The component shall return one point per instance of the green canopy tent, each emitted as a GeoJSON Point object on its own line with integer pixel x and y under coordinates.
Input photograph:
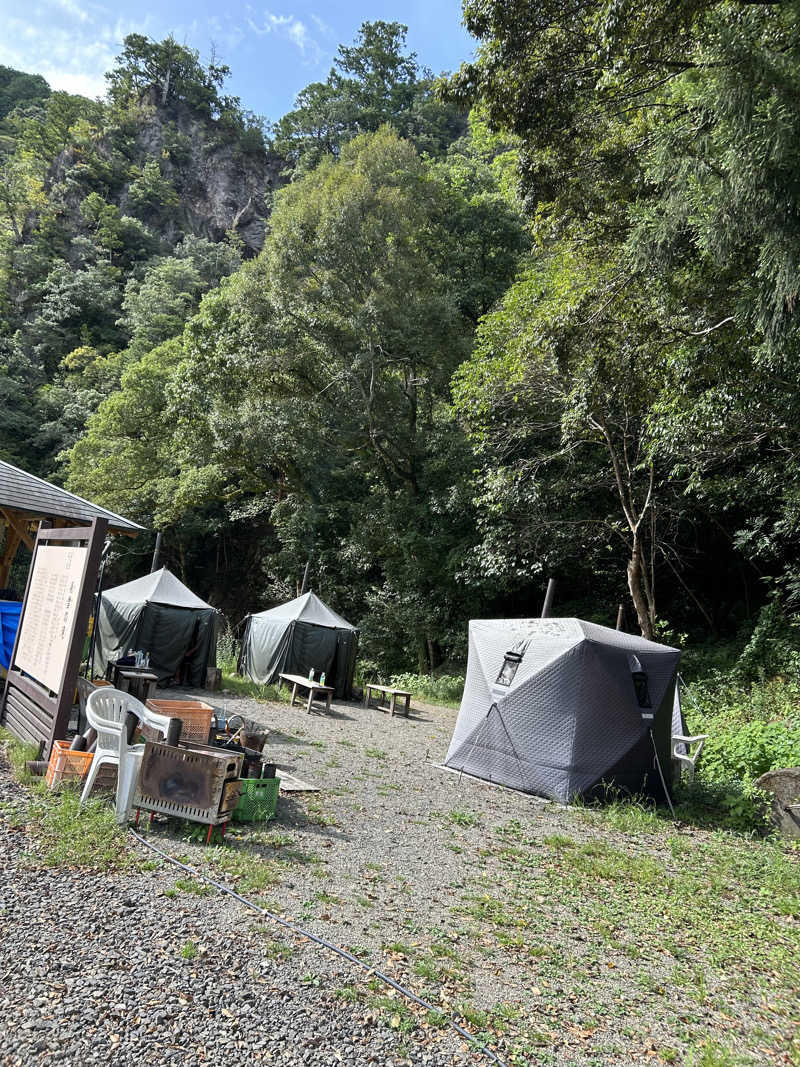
{"type": "Point", "coordinates": [296, 637]}
{"type": "Point", "coordinates": [159, 615]}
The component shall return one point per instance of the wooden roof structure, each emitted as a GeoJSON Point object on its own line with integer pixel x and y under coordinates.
{"type": "Point", "coordinates": [26, 500]}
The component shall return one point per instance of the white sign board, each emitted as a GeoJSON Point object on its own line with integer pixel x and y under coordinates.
{"type": "Point", "coordinates": [50, 609]}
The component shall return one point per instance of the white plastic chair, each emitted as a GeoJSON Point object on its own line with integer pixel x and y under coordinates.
{"type": "Point", "coordinates": [683, 752]}
{"type": "Point", "coordinates": [107, 710]}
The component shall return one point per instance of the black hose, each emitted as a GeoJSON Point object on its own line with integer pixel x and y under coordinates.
{"type": "Point", "coordinates": [319, 941]}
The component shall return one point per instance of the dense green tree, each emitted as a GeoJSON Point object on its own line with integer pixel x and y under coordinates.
{"type": "Point", "coordinates": [165, 71]}
{"type": "Point", "coordinates": [18, 89]}
{"type": "Point", "coordinates": [314, 388]}
{"type": "Point", "coordinates": [661, 141]}
{"type": "Point", "coordinates": [372, 83]}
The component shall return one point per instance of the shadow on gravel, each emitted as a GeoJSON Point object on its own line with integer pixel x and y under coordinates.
{"type": "Point", "coordinates": [291, 812]}
{"type": "Point", "coordinates": [413, 716]}
{"type": "Point", "coordinates": [278, 737]}
{"type": "Point", "coordinates": [334, 713]}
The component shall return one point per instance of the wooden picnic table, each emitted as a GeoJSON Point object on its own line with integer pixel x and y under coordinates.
{"type": "Point", "coordinates": [390, 692]}
{"type": "Point", "coordinates": [298, 681]}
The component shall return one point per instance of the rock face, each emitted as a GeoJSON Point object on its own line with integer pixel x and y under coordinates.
{"type": "Point", "coordinates": [784, 787]}
{"type": "Point", "coordinates": [223, 178]}
{"type": "Point", "coordinates": [222, 185]}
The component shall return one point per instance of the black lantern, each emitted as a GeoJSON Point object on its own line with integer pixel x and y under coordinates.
{"type": "Point", "coordinates": [511, 663]}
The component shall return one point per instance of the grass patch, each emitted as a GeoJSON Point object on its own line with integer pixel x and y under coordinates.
{"type": "Point", "coordinates": [190, 950]}
{"type": "Point", "coordinates": [316, 813]}
{"type": "Point", "coordinates": [66, 835]}
{"type": "Point", "coordinates": [273, 948]}
{"type": "Point", "coordinates": [264, 694]}
{"type": "Point", "coordinates": [463, 818]}
{"type": "Point", "coordinates": [669, 914]}
{"type": "Point", "coordinates": [247, 870]}
{"type": "Point", "coordinates": [197, 889]}
{"type": "Point", "coordinates": [18, 753]}
{"type": "Point", "coordinates": [376, 753]}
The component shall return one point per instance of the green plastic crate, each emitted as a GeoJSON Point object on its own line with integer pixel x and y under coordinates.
{"type": "Point", "coordinates": [258, 800]}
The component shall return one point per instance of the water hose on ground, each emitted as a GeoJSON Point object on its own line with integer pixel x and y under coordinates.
{"type": "Point", "coordinates": [407, 993]}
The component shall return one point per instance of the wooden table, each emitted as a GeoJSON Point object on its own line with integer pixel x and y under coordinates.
{"type": "Point", "coordinates": [298, 682]}
{"type": "Point", "coordinates": [138, 681]}
{"type": "Point", "coordinates": [393, 694]}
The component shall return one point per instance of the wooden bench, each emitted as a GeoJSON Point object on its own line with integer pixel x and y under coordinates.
{"type": "Point", "coordinates": [296, 681]}
{"type": "Point", "coordinates": [389, 692]}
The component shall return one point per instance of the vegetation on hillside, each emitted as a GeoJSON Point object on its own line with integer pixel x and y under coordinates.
{"type": "Point", "coordinates": [538, 321]}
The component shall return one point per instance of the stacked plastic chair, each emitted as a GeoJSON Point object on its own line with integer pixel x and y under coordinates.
{"type": "Point", "coordinates": [107, 711]}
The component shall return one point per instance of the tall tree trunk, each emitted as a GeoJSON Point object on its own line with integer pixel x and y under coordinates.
{"type": "Point", "coordinates": [641, 570]}
{"type": "Point", "coordinates": [637, 585]}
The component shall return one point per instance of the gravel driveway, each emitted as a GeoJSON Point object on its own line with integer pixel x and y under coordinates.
{"type": "Point", "coordinates": [474, 896]}
{"type": "Point", "coordinates": [93, 967]}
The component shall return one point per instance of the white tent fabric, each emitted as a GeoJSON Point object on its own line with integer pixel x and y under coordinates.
{"type": "Point", "coordinates": [160, 587]}
{"type": "Point", "coordinates": [557, 706]}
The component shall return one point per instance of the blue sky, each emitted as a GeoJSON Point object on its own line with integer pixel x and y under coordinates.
{"type": "Point", "coordinates": [272, 51]}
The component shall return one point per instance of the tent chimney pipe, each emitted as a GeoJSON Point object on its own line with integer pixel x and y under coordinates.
{"type": "Point", "coordinates": [620, 616]}
{"type": "Point", "coordinates": [305, 578]}
{"type": "Point", "coordinates": [548, 598]}
{"type": "Point", "coordinates": [156, 553]}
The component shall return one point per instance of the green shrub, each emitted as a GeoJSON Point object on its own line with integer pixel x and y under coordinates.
{"type": "Point", "coordinates": [773, 648]}
{"type": "Point", "coordinates": [435, 689]}
{"type": "Point", "coordinates": [227, 650]}
{"type": "Point", "coordinates": [746, 751]}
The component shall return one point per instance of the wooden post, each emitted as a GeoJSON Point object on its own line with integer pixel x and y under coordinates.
{"type": "Point", "coordinates": [547, 607]}
{"type": "Point", "coordinates": [620, 616]}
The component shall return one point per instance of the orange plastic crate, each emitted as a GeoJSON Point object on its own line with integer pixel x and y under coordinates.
{"type": "Point", "coordinates": [194, 714]}
{"type": "Point", "coordinates": [65, 765]}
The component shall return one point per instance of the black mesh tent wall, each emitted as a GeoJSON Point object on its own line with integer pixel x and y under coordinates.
{"type": "Point", "coordinates": [159, 615]}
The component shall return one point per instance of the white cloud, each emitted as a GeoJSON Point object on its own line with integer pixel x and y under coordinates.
{"type": "Point", "coordinates": [78, 84]}
{"type": "Point", "coordinates": [323, 27]}
{"type": "Point", "coordinates": [288, 26]}
{"type": "Point", "coordinates": [227, 33]}
{"type": "Point", "coordinates": [70, 44]}
{"type": "Point", "coordinates": [71, 8]}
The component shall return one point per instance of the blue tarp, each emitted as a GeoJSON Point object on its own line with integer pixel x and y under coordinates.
{"type": "Point", "coordinates": [10, 611]}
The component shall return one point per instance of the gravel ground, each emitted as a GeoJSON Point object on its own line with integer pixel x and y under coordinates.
{"type": "Point", "coordinates": [91, 965]}
{"type": "Point", "coordinates": [385, 859]}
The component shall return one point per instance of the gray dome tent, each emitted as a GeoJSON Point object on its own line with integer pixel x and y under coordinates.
{"type": "Point", "coordinates": [159, 615]}
{"type": "Point", "coordinates": [296, 636]}
{"type": "Point", "coordinates": [557, 707]}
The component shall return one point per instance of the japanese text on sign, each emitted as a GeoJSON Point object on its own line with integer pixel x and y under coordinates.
{"type": "Point", "coordinates": [50, 609]}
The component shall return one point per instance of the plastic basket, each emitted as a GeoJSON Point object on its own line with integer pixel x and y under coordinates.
{"type": "Point", "coordinates": [194, 714]}
{"type": "Point", "coordinates": [258, 800]}
{"type": "Point", "coordinates": [66, 765]}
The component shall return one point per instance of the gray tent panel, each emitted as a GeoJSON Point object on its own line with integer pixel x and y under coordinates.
{"type": "Point", "coordinates": [296, 637]}
{"type": "Point", "coordinates": [159, 615]}
{"type": "Point", "coordinates": [572, 716]}
{"type": "Point", "coordinates": [159, 587]}
{"type": "Point", "coordinates": [265, 646]}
